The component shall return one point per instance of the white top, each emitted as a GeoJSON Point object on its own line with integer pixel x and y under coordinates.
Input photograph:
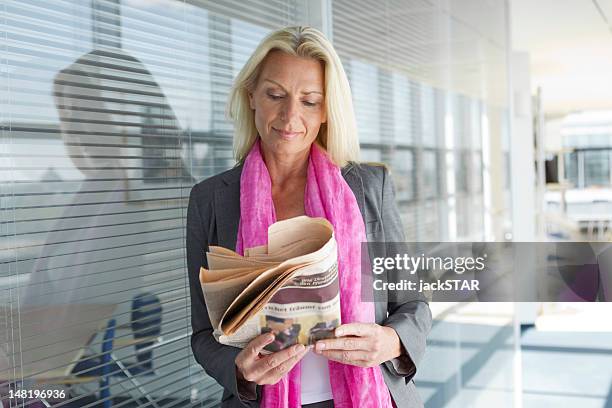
{"type": "Point", "coordinates": [315, 379]}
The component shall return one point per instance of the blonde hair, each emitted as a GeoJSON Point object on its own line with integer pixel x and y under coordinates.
{"type": "Point", "coordinates": [338, 136]}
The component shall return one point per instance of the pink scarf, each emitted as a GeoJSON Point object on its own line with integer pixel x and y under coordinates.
{"type": "Point", "coordinates": [327, 195]}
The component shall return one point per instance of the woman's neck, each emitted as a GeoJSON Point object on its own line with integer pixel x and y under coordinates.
{"type": "Point", "coordinates": [286, 169]}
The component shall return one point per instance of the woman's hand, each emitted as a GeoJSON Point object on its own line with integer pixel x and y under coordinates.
{"type": "Point", "coordinates": [266, 369]}
{"type": "Point", "coordinates": [361, 344]}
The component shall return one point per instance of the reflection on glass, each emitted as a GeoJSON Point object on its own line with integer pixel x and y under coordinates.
{"type": "Point", "coordinates": [371, 155]}
{"type": "Point", "coordinates": [475, 178]}
{"type": "Point", "coordinates": [113, 121]}
{"type": "Point", "coordinates": [430, 174]}
{"type": "Point", "coordinates": [403, 174]}
{"type": "Point", "coordinates": [402, 110]}
{"type": "Point", "coordinates": [596, 167]}
{"type": "Point", "coordinates": [364, 86]}
{"type": "Point", "coordinates": [462, 169]}
{"type": "Point", "coordinates": [107, 232]}
{"type": "Point", "coordinates": [429, 116]}
{"type": "Point", "coordinates": [571, 167]}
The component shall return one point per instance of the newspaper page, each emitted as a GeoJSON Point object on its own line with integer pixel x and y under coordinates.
{"type": "Point", "coordinates": [305, 309]}
{"type": "Point", "coordinates": [288, 287]}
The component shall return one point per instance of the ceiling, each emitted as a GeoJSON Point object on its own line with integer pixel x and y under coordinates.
{"type": "Point", "coordinates": [570, 46]}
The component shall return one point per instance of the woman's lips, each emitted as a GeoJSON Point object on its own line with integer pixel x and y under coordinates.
{"type": "Point", "coordinates": [286, 134]}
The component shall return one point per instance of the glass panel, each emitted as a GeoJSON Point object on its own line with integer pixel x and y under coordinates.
{"type": "Point", "coordinates": [114, 110]}
{"type": "Point", "coordinates": [402, 110]}
{"type": "Point", "coordinates": [403, 175]}
{"type": "Point", "coordinates": [431, 174]}
{"type": "Point", "coordinates": [596, 167]}
{"type": "Point", "coordinates": [111, 110]}
{"type": "Point", "coordinates": [571, 167]}
{"type": "Point", "coordinates": [446, 75]}
{"type": "Point", "coordinates": [364, 86]}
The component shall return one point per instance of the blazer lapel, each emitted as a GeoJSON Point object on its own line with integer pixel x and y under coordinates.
{"type": "Point", "coordinates": [353, 179]}
{"type": "Point", "coordinates": [227, 203]}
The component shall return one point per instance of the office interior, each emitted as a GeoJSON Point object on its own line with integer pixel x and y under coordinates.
{"type": "Point", "coordinates": [493, 115]}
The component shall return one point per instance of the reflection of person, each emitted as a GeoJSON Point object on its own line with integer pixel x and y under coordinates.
{"type": "Point", "coordinates": [296, 143]}
{"type": "Point", "coordinates": [84, 113]}
{"type": "Point", "coordinates": [89, 256]}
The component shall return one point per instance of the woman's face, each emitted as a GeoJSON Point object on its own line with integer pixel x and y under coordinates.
{"type": "Point", "coordinates": [288, 102]}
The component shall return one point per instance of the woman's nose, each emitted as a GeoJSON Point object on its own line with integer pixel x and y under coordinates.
{"type": "Point", "coordinates": [290, 110]}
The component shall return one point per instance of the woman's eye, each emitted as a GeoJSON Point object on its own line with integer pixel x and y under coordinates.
{"type": "Point", "coordinates": [309, 104]}
{"type": "Point", "coordinates": [275, 97]}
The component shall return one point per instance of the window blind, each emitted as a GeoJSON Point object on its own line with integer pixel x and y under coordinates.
{"type": "Point", "coordinates": [420, 71]}
{"type": "Point", "coordinates": [111, 111]}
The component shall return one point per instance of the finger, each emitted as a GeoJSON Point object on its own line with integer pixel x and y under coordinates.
{"type": "Point", "coordinates": [250, 353]}
{"type": "Point", "coordinates": [343, 343]}
{"type": "Point", "coordinates": [271, 362]}
{"type": "Point", "coordinates": [258, 343]}
{"type": "Point", "coordinates": [352, 357]}
{"type": "Point", "coordinates": [275, 374]}
{"type": "Point", "coordinates": [355, 329]}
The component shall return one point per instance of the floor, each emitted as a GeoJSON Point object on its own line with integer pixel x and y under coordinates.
{"type": "Point", "coordinates": [470, 362]}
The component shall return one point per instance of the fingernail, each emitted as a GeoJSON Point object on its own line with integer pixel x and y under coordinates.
{"type": "Point", "coordinates": [298, 348]}
{"type": "Point", "coordinates": [320, 347]}
{"type": "Point", "coordinates": [338, 333]}
{"type": "Point", "coordinates": [270, 338]}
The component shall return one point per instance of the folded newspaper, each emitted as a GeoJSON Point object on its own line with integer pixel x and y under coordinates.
{"type": "Point", "coordinates": [288, 287]}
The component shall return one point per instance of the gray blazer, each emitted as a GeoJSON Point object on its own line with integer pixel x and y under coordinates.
{"type": "Point", "coordinates": [212, 219]}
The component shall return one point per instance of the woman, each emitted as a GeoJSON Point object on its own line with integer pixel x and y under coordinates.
{"type": "Point", "coordinates": [296, 145]}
